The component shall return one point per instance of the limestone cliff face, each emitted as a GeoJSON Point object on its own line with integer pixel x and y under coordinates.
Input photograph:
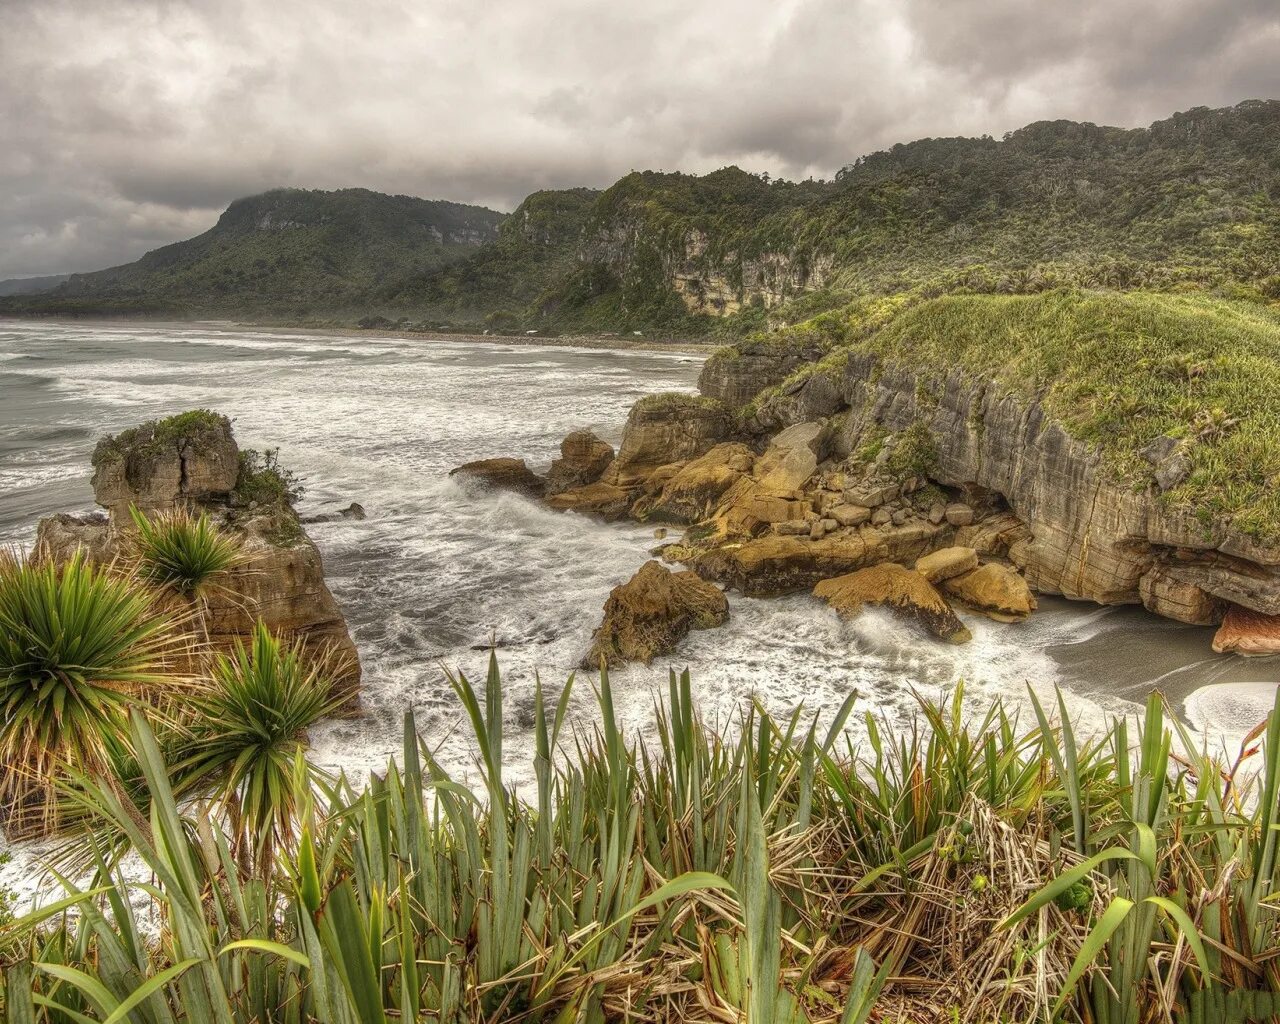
{"type": "Point", "coordinates": [737, 374]}
{"type": "Point", "coordinates": [281, 580]}
{"type": "Point", "coordinates": [711, 282]}
{"type": "Point", "coordinates": [1093, 537]}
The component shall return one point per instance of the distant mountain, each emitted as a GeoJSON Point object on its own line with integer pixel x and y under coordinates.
{"type": "Point", "coordinates": [31, 285]}
{"type": "Point", "coordinates": [288, 251]}
{"type": "Point", "coordinates": [1191, 203]}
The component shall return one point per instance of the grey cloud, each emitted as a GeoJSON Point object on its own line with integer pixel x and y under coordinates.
{"type": "Point", "coordinates": [130, 124]}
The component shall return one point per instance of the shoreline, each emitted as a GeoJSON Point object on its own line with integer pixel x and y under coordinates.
{"type": "Point", "coordinates": [616, 343]}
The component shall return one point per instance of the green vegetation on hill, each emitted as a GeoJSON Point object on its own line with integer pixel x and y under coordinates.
{"type": "Point", "coordinates": [1191, 202]}
{"type": "Point", "coordinates": [286, 252]}
{"type": "Point", "coordinates": [1119, 370]}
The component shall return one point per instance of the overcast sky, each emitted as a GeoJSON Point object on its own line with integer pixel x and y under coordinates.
{"type": "Point", "coordinates": [127, 124]}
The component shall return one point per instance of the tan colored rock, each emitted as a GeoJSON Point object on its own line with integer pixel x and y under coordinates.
{"type": "Point", "coordinates": [791, 458]}
{"type": "Point", "coordinates": [583, 460]}
{"type": "Point", "coordinates": [662, 429]}
{"type": "Point", "coordinates": [1245, 631]}
{"type": "Point", "coordinates": [904, 592]}
{"type": "Point", "coordinates": [608, 502]}
{"type": "Point", "coordinates": [692, 493]}
{"type": "Point", "coordinates": [773, 564]}
{"type": "Point", "coordinates": [850, 515]}
{"type": "Point", "coordinates": [651, 613]}
{"type": "Point", "coordinates": [995, 535]}
{"type": "Point", "coordinates": [995, 590]}
{"type": "Point", "coordinates": [503, 474]}
{"type": "Point", "coordinates": [746, 510]}
{"type": "Point", "coordinates": [183, 460]}
{"type": "Point", "coordinates": [947, 562]}
{"type": "Point", "coordinates": [958, 514]}
{"type": "Point", "coordinates": [1165, 594]}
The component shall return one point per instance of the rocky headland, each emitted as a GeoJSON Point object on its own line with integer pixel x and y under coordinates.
{"type": "Point", "coordinates": [869, 475]}
{"type": "Point", "coordinates": [192, 462]}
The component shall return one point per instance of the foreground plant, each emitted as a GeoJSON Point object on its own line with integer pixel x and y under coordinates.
{"type": "Point", "coordinates": [247, 734]}
{"type": "Point", "coordinates": [181, 552]}
{"type": "Point", "coordinates": [773, 872]}
{"type": "Point", "coordinates": [78, 644]}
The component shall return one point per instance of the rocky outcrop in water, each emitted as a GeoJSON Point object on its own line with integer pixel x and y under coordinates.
{"type": "Point", "coordinates": [903, 591]}
{"type": "Point", "coordinates": [650, 613]}
{"type": "Point", "coordinates": [184, 463]}
{"type": "Point", "coordinates": [503, 474]}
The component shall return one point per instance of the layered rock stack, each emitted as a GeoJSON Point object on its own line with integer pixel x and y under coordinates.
{"type": "Point", "coordinates": [193, 462]}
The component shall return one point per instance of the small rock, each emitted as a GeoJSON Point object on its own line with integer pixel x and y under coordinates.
{"type": "Point", "coordinates": [816, 530]}
{"type": "Point", "coordinates": [649, 614]}
{"type": "Point", "coordinates": [850, 515]}
{"type": "Point", "coordinates": [660, 533]}
{"type": "Point", "coordinates": [1244, 631]}
{"type": "Point", "coordinates": [899, 517]}
{"type": "Point", "coordinates": [958, 514]}
{"type": "Point", "coordinates": [1173, 471]}
{"type": "Point", "coordinates": [908, 594]}
{"type": "Point", "coordinates": [937, 513]}
{"type": "Point", "coordinates": [881, 517]}
{"type": "Point", "coordinates": [828, 525]}
{"type": "Point", "coordinates": [871, 496]}
{"type": "Point", "coordinates": [791, 528]}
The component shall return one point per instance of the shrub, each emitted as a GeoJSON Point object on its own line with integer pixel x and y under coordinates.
{"type": "Point", "coordinates": [263, 481]}
{"type": "Point", "coordinates": [77, 644]}
{"type": "Point", "coordinates": [181, 552]}
{"type": "Point", "coordinates": [915, 453]}
{"type": "Point", "coordinates": [249, 731]}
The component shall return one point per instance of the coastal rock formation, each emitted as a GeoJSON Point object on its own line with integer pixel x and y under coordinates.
{"type": "Point", "coordinates": [191, 458]}
{"type": "Point", "coordinates": [995, 590]}
{"type": "Point", "coordinates": [772, 565]}
{"type": "Point", "coordinates": [903, 591]}
{"type": "Point", "coordinates": [662, 429]}
{"type": "Point", "coordinates": [281, 579]}
{"type": "Point", "coordinates": [736, 375]}
{"type": "Point", "coordinates": [600, 499]}
{"type": "Point", "coordinates": [503, 474]}
{"type": "Point", "coordinates": [693, 491]}
{"type": "Point", "coordinates": [583, 460]}
{"type": "Point", "coordinates": [1244, 631]}
{"type": "Point", "coordinates": [1072, 526]}
{"type": "Point", "coordinates": [650, 613]}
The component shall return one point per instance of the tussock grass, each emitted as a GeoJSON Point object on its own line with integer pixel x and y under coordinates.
{"type": "Point", "coordinates": [971, 869]}
{"type": "Point", "coordinates": [182, 552]}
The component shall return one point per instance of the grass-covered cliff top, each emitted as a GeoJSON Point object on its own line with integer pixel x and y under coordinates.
{"type": "Point", "coordinates": [1122, 369]}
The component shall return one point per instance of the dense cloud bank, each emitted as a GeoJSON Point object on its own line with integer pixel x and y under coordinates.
{"type": "Point", "coordinates": [131, 124]}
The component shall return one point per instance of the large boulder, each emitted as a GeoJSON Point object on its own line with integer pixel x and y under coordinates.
{"type": "Point", "coordinates": [503, 474]}
{"type": "Point", "coordinates": [945, 563]}
{"type": "Point", "coordinates": [662, 429]}
{"type": "Point", "coordinates": [191, 458]}
{"type": "Point", "coordinates": [995, 590]}
{"type": "Point", "coordinates": [791, 458]}
{"type": "Point", "coordinates": [903, 591]}
{"type": "Point", "coordinates": [1248, 632]}
{"type": "Point", "coordinates": [605, 501]}
{"type": "Point", "coordinates": [650, 613]}
{"type": "Point", "coordinates": [583, 460]}
{"type": "Point", "coordinates": [1166, 593]}
{"type": "Point", "coordinates": [784, 564]}
{"type": "Point", "coordinates": [692, 492]}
